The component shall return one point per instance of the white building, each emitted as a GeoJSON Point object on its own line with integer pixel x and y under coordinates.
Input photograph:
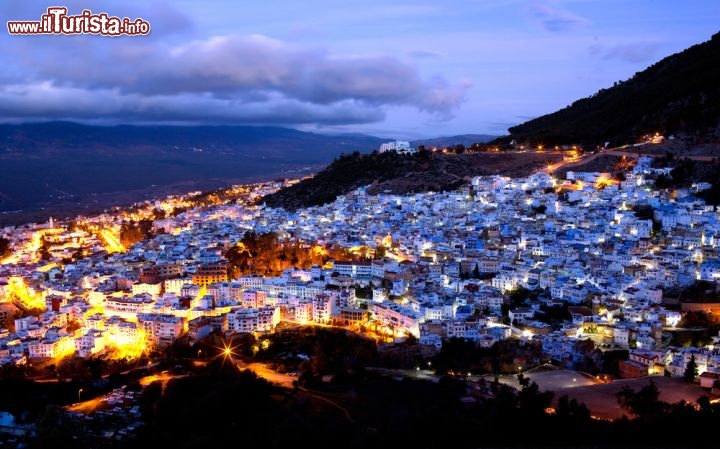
{"type": "Point", "coordinates": [51, 348]}
{"type": "Point", "coordinates": [162, 329]}
{"type": "Point", "coordinates": [396, 317]}
{"type": "Point", "coordinates": [260, 319]}
{"type": "Point", "coordinates": [398, 146]}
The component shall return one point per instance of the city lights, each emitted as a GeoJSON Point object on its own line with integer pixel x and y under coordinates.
{"type": "Point", "coordinates": [24, 296]}
{"type": "Point", "coordinates": [112, 241]}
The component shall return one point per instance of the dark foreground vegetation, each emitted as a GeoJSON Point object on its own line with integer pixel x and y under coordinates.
{"type": "Point", "coordinates": [339, 401]}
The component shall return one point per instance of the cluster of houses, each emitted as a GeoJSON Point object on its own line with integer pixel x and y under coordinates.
{"type": "Point", "coordinates": [440, 265]}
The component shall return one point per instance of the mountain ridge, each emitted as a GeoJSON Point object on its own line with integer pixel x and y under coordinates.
{"type": "Point", "coordinates": [679, 94]}
{"type": "Point", "coordinates": [71, 136]}
{"type": "Point", "coordinates": [448, 141]}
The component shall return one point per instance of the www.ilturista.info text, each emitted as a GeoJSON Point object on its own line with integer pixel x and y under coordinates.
{"type": "Point", "coordinates": [57, 21]}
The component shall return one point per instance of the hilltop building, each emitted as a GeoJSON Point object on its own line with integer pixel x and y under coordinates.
{"type": "Point", "coordinates": [398, 146]}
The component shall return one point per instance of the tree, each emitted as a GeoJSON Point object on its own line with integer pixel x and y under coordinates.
{"type": "Point", "coordinates": [691, 370]}
{"type": "Point", "coordinates": [44, 249]}
{"type": "Point", "coordinates": [519, 295]}
{"type": "Point", "coordinates": [159, 213]}
{"type": "Point", "coordinates": [522, 380]}
{"type": "Point", "coordinates": [571, 409]}
{"type": "Point", "coordinates": [644, 211]}
{"type": "Point", "coordinates": [130, 233]}
{"type": "Point", "coordinates": [663, 182]}
{"type": "Point", "coordinates": [644, 404]}
{"type": "Point", "coordinates": [145, 225]}
{"type": "Point", "coordinates": [531, 400]}
{"type": "Point", "coordinates": [585, 346]}
{"type": "Point", "coordinates": [476, 272]}
{"type": "Point", "coordinates": [78, 254]}
{"type": "Point", "coordinates": [4, 247]}
{"type": "Point", "coordinates": [380, 252]}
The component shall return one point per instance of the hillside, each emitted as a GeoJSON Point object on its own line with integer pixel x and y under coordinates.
{"type": "Point", "coordinates": [678, 95]}
{"type": "Point", "coordinates": [399, 174]}
{"type": "Point", "coordinates": [68, 138]}
{"type": "Point", "coordinates": [61, 169]}
{"type": "Point", "coordinates": [450, 141]}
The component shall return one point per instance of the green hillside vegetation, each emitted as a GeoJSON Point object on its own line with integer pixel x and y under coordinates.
{"type": "Point", "coordinates": [678, 95]}
{"type": "Point", "coordinates": [390, 172]}
{"type": "Point", "coordinates": [348, 172]}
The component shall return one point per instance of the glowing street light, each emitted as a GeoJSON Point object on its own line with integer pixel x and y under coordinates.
{"type": "Point", "coordinates": [79, 391]}
{"type": "Point", "coordinates": [227, 351]}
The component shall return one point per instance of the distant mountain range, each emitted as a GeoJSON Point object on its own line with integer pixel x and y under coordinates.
{"type": "Point", "coordinates": [60, 169]}
{"type": "Point", "coordinates": [678, 95]}
{"type": "Point", "coordinates": [67, 138]}
{"type": "Point", "coordinates": [449, 141]}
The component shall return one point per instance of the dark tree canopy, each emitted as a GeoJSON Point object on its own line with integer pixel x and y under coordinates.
{"type": "Point", "coordinates": [691, 369]}
{"type": "Point", "coordinates": [5, 247]}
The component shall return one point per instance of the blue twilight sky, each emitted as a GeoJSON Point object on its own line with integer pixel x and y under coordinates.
{"type": "Point", "coordinates": [405, 69]}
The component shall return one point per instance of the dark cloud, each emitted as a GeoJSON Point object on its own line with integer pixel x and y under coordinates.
{"type": "Point", "coordinates": [245, 65]}
{"type": "Point", "coordinates": [240, 78]}
{"type": "Point", "coordinates": [636, 52]}
{"type": "Point", "coordinates": [45, 101]}
{"type": "Point", "coordinates": [555, 19]}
